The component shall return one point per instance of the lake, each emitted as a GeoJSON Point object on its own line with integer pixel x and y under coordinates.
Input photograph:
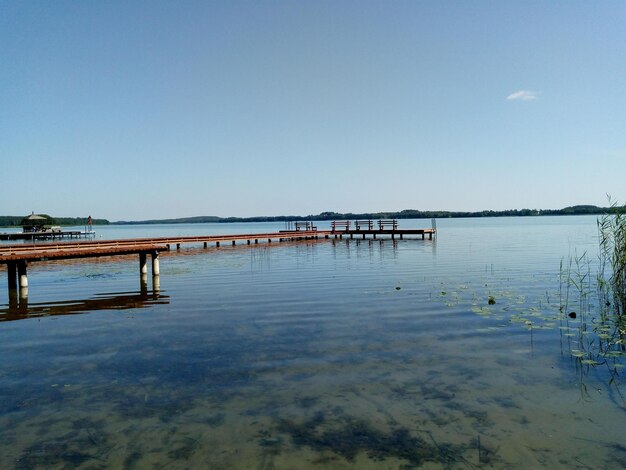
{"type": "Point", "coordinates": [451, 353]}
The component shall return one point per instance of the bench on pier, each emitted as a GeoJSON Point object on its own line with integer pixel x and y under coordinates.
{"type": "Point", "coordinates": [365, 224]}
{"type": "Point", "coordinates": [308, 226]}
{"type": "Point", "coordinates": [392, 223]}
{"type": "Point", "coordinates": [340, 224]}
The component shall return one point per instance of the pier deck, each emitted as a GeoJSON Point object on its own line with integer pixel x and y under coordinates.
{"type": "Point", "coordinates": [37, 236]}
{"type": "Point", "coordinates": [390, 232]}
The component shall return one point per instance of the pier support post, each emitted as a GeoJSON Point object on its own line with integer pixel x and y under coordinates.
{"type": "Point", "coordinates": [205, 244]}
{"type": "Point", "coordinates": [143, 283]}
{"type": "Point", "coordinates": [21, 274]}
{"type": "Point", "coordinates": [12, 272]}
{"type": "Point", "coordinates": [178, 246]}
{"type": "Point", "coordinates": [248, 242]}
{"type": "Point", "coordinates": [233, 242]}
{"type": "Point", "coordinates": [23, 301]}
{"type": "Point", "coordinates": [256, 241]}
{"type": "Point", "coordinates": [217, 244]}
{"type": "Point", "coordinates": [143, 267]}
{"type": "Point", "coordinates": [269, 240]}
{"type": "Point", "coordinates": [155, 263]}
{"type": "Point", "coordinates": [401, 237]}
{"type": "Point", "coordinates": [13, 303]}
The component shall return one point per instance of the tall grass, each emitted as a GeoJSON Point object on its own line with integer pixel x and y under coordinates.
{"type": "Point", "coordinates": [612, 270]}
{"type": "Point", "coordinates": [595, 306]}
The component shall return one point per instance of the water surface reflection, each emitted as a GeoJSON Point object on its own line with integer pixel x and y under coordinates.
{"type": "Point", "coordinates": [20, 309]}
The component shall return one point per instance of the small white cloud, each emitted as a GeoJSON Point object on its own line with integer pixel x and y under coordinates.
{"type": "Point", "coordinates": [524, 95]}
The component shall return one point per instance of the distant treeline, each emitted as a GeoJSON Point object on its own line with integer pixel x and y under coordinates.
{"type": "Point", "coordinates": [184, 220]}
{"type": "Point", "coordinates": [405, 214]}
{"type": "Point", "coordinates": [15, 221]}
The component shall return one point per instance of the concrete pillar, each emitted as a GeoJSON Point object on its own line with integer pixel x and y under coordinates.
{"type": "Point", "coordinates": [422, 235]}
{"type": "Point", "coordinates": [401, 237]}
{"type": "Point", "coordinates": [12, 273]}
{"type": "Point", "coordinates": [156, 283]}
{"type": "Point", "coordinates": [178, 246]}
{"type": "Point", "coordinates": [143, 267]}
{"type": "Point", "coordinates": [143, 283]}
{"type": "Point", "coordinates": [256, 241]}
{"type": "Point", "coordinates": [363, 236]}
{"type": "Point", "coordinates": [374, 236]}
{"type": "Point", "coordinates": [155, 263]}
{"type": "Point", "coordinates": [269, 240]}
{"type": "Point", "coordinates": [205, 244]}
{"type": "Point", "coordinates": [233, 242]}
{"type": "Point", "coordinates": [21, 274]}
{"type": "Point", "coordinates": [248, 242]}
{"type": "Point", "coordinates": [217, 244]}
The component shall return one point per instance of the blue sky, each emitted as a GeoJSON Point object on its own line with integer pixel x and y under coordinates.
{"type": "Point", "coordinates": [146, 109]}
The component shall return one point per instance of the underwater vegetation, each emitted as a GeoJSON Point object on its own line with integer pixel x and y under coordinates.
{"type": "Point", "coordinates": [347, 436]}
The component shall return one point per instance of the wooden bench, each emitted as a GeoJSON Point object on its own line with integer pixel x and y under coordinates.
{"type": "Point", "coordinates": [308, 226]}
{"type": "Point", "coordinates": [338, 224]}
{"type": "Point", "coordinates": [393, 223]}
{"type": "Point", "coordinates": [366, 224]}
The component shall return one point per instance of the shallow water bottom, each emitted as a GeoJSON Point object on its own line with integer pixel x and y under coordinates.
{"type": "Point", "coordinates": [255, 363]}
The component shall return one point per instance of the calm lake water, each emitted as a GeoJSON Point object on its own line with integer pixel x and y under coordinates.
{"type": "Point", "coordinates": [317, 354]}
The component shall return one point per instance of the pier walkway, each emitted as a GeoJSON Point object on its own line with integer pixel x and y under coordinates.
{"type": "Point", "coordinates": [17, 257]}
{"type": "Point", "coordinates": [47, 235]}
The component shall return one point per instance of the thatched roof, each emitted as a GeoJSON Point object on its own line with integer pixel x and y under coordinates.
{"type": "Point", "coordinates": [37, 220]}
{"type": "Point", "coordinates": [35, 217]}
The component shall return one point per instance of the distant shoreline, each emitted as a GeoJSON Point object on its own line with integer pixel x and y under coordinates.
{"type": "Point", "coordinates": [405, 214]}
{"type": "Point", "coordinates": [13, 221]}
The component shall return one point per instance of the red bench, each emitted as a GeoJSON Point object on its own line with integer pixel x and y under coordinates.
{"type": "Point", "coordinates": [340, 224]}
{"type": "Point", "coordinates": [393, 223]}
{"type": "Point", "coordinates": [365, 224]}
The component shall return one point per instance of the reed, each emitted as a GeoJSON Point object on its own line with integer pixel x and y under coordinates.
{"type": "Point", "coordinates": [600, 319]}
{"type": "Point", "coordinates": [612, 269]}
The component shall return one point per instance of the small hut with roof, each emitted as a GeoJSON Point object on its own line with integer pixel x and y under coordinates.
{"type": "Point", "coordinates": [38, 223]}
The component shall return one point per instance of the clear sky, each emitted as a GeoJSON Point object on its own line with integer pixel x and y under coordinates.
{"type": "Point", "coordinates": [132, 110]}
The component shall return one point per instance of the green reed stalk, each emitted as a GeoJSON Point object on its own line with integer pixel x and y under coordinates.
{"type": "Point", "coordinates": [612, 239]}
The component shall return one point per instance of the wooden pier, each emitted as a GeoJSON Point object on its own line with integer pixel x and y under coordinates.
{"type": "Point", "coordinates": [17, 257]}
{"type": "Point", "coordinates": [364, 228]}
{"type": "Point", "coordinates": [49, 235]}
